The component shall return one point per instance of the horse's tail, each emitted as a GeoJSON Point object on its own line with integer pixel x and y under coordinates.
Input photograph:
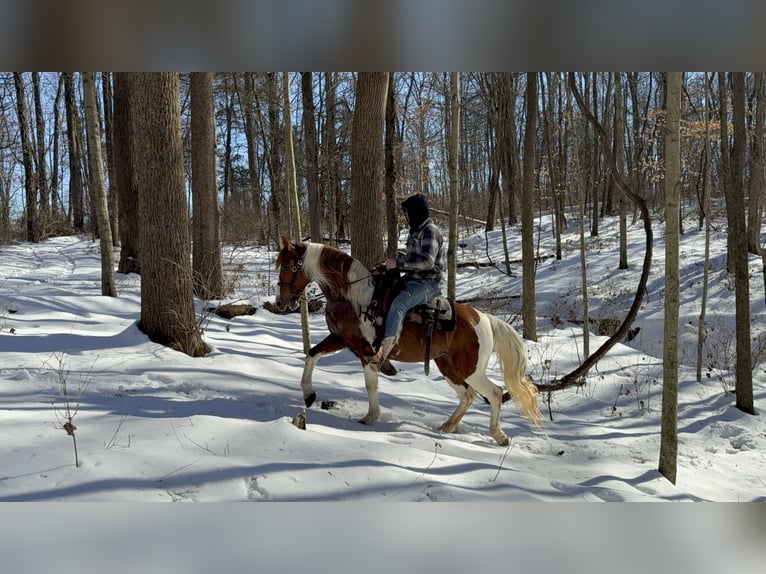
{"type": "Point", "coordinates": [513, 357]}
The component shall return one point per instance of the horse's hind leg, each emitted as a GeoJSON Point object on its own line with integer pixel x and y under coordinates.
{"type": "Point", "coordinates": [465, 394]}
{"type": "Point", "coordinates": [494, 396]}
{"type": "Point", "coordinates": [330, 344]}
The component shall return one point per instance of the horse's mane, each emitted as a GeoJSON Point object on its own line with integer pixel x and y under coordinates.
{"type": "Point", "coordinates": [339, 275]}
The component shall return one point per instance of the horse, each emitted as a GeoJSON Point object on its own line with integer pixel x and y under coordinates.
{"type": "Point", "coordinates": [462, 355]}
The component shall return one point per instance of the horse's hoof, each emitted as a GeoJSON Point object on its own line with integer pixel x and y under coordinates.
{"type": "Point", "coordinates": [503, 440]}
{"type": "Point", "coordinates": [364, 422]}
{"type": "Point", "coordinates": [309, 399]}
{"type": "Point", "coordinates": [387, 368]}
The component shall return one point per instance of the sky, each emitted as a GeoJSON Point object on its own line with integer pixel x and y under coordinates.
{"type": "Point", "coordinates": [154, 425]}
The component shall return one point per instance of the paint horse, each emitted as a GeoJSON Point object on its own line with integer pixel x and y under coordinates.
{"type": "Point", "coordinates": [461, 355]}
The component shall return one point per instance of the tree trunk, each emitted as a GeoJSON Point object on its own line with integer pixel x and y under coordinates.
{"type": "Point", "coordinates": [206, 243]}
{"type": "Point", "coordinates": [453, 165]}
{"type": "Point", "coordinates": [43, 189]}
{"type": "Point", "coordinates": [737, 239]}
{"type": "Point", "coordinates": [389, 182]}
{"type": "Point", "coordinates": [757, 180]}
{"type": "Point", "coordinates": [167, 298]}
{"type": "Point", "coordinates": [124, 184]}
{"type": "Point", "coordinates": [311, 149]}
{"type": "Point", "coordinates": [33, 229]}
{"type": "Point", "coordinates": [368, 122]}
{"type": "Point", "coordinates": [706, 211]}
{"type": "Point", "coordinates": [76, 192]}
{"type": "Point", "coordinates": [114, 208]}
{"type": "Point", "coordinates": [96, 170]}
{"type": "Point", "coordinates": [294, 199]}
{"type": "Point", "coordinates": [529, 310]}
{"type": "Point", "coordinates": [669, 431]}
{"type": "Point", "coordinates": [619, 158]}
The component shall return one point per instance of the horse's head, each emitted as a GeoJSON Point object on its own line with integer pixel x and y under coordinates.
{"type": "Point", "coordinates": [292, 278]}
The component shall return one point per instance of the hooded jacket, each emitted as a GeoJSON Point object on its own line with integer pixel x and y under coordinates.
{"type": "Point", "coordinates": [424, 258]}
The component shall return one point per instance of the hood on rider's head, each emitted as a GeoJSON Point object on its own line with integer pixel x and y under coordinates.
{"type": "Point", "coordinates": [417, 210]}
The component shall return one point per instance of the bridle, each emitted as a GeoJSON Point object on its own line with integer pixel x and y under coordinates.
{"type": "Point", "coordinates": [295, 269]}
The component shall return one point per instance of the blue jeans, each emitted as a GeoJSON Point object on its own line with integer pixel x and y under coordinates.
{"type": "Point", "coordinates": [415, 292]}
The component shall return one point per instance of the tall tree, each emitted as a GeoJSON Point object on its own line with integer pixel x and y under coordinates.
{"type": "Point", "coordinates": [707, 174]}
{"type": "Point", "coordinates": [76, 191]}
{"type": "Point", "coordinates": [528, 308]}
{"type": "Point", "coordinates": [97, 186]}
{"type": "Point", "coordinates": [124, 183]}
{"type": "Point", "coordinates": [669, 430]}
{"type": "Point", "coordinates": [311, 151]}
{"type": "Point", "coordinates": [453, 136]}
{"type": "Point", "coordinates": [206, 243]}
{"type": "Point", "coordinates": [757, 178]}
{"type": "Point", "coordinates": [367, 167]}
{"type": "Point", "coordinates": [112, 202]}
{"type": "Point", "coordinates": [737, 240]}
{"type": "Point", "coordinates": [389, 181]}
{"type": "Point", "coordinates": [33, 228]}
{"type": "Point", "coordinates": [294, 199]}
{"type": "Point", "coordinates": [43, 189]}
{"type": "Point", "coordinates": [167, 298]}
{"type": "Point", "coordinates": [619, 158]}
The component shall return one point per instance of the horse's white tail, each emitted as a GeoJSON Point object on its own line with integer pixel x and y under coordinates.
{"type": "Point", "coordinates": [513, 358]}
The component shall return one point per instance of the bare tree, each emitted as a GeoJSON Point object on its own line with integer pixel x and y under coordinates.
{"type": "Point", "coordinates": [311, 151]}
{"type": "Point", "coordinates": [529, 310]}
{"type": "Point", "coordinates": [706, 210]}
{"type": "Point", "coordinates": [167, 302]}
{"type": "Point", "coordinates": [367, 167]}
{"type": "Point", "coordinates": [737, 240]}
{"type": "Point", "coordinates": [757, 178]}
{"type": "Point", "coordinates": [124, 183]}
{"type": "Point", "coordinates": [43, 190]}
{"type": "Point", "coordinates": [97, 186]}
{"type": "Point", "coordinates": [33, 228]}
{"type": "Point", "coordinates": [454, 167]}
{"type": "Point", "coordinates": [669, 430]}
{"type": "Point", "coordinates": [73, 130]}
{"type": "Point", "coordinates": [576, 377]}
{"type": "Point", "coordinates": [206, 244]}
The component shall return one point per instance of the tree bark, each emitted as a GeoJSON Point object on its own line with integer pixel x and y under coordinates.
{"type": "Point", "coordinates": [454, 180]}
{"type": "Point", "coordinates": [43, 188]}
{"type": "Point", "coordinates": [98, 191]}
{"type": "Point", "coordinates": [737, 240]}
{"type": "Point", "coordinates": [529, 310]}
{"type": "Point", "coordinates": [311, 150]}
{"type": "Point", "coordinates": [32, 223]}
{"type": "Point", "coordinates": [669, 429]}
{"type": "Point", "coordinates": [167, 299]}
{"type": "Point", "coordinates": [76, 192]}
{"type": "Point", "coordinates": [124, 184]}
{"type": "Point", "coordinates": [366, 227]}
{"type": "Point", "coordinates": [206, 244]}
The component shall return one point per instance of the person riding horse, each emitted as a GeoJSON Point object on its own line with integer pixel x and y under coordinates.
{"type": "Point", "coordinates": [423, 264]}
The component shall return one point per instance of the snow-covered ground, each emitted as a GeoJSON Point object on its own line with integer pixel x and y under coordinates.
{"type": "Point", "coordinates": [155, 425]}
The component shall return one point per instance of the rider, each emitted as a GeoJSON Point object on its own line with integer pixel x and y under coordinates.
{"type": "Point", "coordinates": [423, 265]}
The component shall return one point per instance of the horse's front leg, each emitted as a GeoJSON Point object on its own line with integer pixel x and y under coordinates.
{"type": "Point", "coordinates": [371, 384]}
{"type": "Point", "coordinates": [330, 344]}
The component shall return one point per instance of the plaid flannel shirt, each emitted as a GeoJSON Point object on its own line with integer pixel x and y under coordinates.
{"type": "Point", "coordinates": [425, 257]}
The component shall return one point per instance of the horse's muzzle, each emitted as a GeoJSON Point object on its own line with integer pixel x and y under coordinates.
{"type": "Point", "coordinates": [289, 304]}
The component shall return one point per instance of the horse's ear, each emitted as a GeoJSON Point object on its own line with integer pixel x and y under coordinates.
{"type": "Point", "coordinates": [286, 243]}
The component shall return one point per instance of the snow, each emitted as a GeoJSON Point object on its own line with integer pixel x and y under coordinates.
{"type": "Point", "coordinates": [153, 424]}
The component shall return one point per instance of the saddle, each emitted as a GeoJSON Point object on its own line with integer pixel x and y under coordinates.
{"type": "Point", "coordinates": [436, 314]}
